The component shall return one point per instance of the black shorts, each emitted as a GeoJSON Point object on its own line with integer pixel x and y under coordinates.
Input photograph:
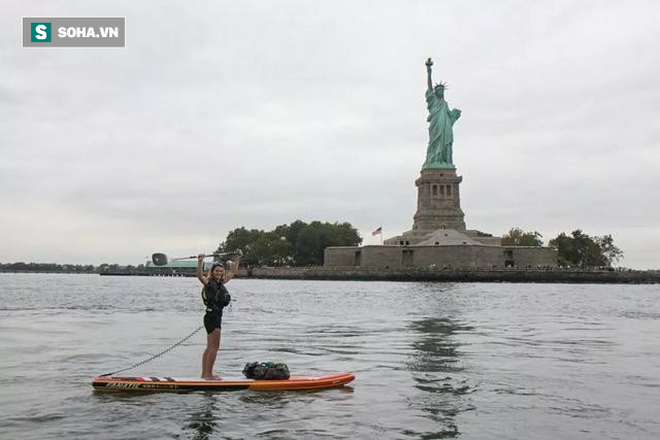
{"type": "Point", "coordinates": [212, 320]}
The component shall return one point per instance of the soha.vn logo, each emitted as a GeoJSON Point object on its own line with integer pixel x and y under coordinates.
{"type": "Point", "coordinates": [41, 32]}
{"type": "Point", "coordinates": [74, 32]}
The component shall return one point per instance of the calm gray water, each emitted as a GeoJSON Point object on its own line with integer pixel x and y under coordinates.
{"type": "Point", "coordinates": [432, 360]}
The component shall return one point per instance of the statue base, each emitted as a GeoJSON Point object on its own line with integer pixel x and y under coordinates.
{"type": "Point", "coordinates": [438, 200]}
{"type": "Point", "coordinates": [439, 166]}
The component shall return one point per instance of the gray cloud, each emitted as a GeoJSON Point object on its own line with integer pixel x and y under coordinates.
{"type": "Point", "coordinates": [223, 114]}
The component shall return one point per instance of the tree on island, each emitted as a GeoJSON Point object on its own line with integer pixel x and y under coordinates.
{"type": "Point", "coordinates": [297, 244]}
{"type": "Point", "coordinates": [518, 237]}
{"type": "Point", "coordinates": [581, 250]}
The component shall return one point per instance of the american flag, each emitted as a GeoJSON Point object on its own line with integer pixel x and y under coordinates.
{"type": "Point", "coordinates": [378, 231]}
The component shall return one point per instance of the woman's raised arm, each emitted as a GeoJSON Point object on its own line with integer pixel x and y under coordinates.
{"type": "Point", "coordinates": [200, 269]}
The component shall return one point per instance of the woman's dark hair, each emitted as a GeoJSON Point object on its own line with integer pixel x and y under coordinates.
{"type": "Point", "coordinates": [217, 265]}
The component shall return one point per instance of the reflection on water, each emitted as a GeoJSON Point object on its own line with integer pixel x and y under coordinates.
{"type": "Point", "coordinates": [203, 421]}
{"type": "Point", "coordinates": [436, 366]}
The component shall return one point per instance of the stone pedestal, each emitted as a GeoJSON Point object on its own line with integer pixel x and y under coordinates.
{"type": "Point", "coordinates": [438, 201]}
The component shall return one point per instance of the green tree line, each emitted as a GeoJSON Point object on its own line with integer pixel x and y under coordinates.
{"type": "Point", "coordinates": [69, 268]}
{"type": "Point", "coordinates": [577, 249]}
{"type": "Point", "coordinates": [47, 267]}
{"type": "Point", "coordinates": [297, 244]}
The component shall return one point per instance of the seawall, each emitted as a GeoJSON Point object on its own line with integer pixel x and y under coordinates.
{"type": "Point", "coordinates": [422, 274]}
{"type": "Point", "coordinates": [489, 276]}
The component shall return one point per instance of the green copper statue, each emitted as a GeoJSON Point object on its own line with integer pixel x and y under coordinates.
{"type": "Point", "coordinates": [441, 120]}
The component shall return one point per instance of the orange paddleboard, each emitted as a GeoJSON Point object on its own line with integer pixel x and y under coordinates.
{"type": "Point", "coordinates": [157, 384]}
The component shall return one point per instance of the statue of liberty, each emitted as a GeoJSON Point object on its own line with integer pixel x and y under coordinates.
{"type": "Point", "coordinates": [441, 120]}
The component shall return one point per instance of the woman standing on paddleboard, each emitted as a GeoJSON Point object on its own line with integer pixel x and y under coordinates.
{"type": "Point", "coordinates": [216, 297]}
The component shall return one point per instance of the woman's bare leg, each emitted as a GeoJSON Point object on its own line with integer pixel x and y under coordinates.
{"type": "Point", "coordinates": [208, 358]}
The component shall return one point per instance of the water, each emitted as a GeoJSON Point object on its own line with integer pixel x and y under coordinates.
{"type": "Point", "coordinates": [470, 361]}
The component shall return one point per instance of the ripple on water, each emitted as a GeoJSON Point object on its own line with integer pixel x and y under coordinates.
{"type": "Point", "coordinates": [432, 360]}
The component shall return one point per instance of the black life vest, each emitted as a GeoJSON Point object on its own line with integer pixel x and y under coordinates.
{"type": "Point", "coordinates": [215, 295]}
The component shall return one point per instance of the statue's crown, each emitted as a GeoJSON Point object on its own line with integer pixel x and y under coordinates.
{"type": "Point", "coordinates": [441, 85]}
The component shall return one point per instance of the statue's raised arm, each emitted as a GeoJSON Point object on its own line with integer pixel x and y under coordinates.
{"type": "Point", "coordinates": [429, 63]}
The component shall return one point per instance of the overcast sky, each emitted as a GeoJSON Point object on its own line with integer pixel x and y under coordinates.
{"type": "Point", "coordinates": [222, 114]}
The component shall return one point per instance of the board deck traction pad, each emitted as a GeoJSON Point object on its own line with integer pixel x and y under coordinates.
{"type": "Point", "coordinates": [167, 383]}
